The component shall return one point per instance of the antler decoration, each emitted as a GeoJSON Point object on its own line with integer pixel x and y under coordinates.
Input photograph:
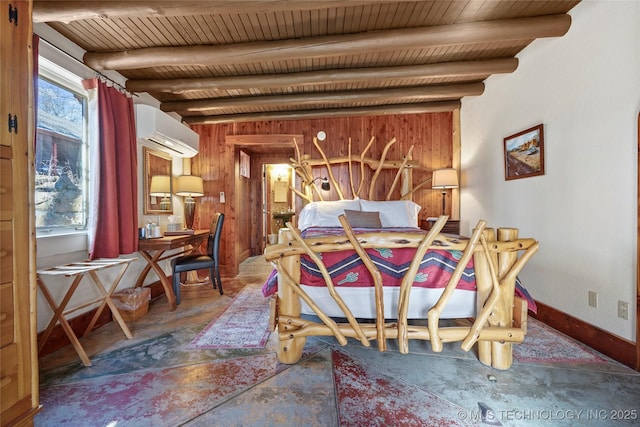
{"type": "Point", "coordinates": [303, 165]}
{"type": "Point", "coordinates": [399, 173]}
{"type": "Point", "coordinates": [362, 162]}
{"type": "Point", "coordinates": [326, 162]}
{"type": "Point", "coordinates": [353, 189]}
{"type": "Point", "coordinates": [303, 170]}
{"type": "Point", "coordinates": [380, 165]}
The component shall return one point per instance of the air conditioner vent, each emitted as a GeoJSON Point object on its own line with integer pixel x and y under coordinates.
{"type": "Point", "coordinates": [158, 130]}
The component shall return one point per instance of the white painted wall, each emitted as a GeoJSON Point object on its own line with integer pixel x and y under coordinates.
{"type": "Point", "coordinates": [585, 89]}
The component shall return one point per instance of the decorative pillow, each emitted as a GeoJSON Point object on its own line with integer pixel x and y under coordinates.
{"type": "Point", "coordinates": [359, 219]}
{"type": "Point", "coordinates": [325, 214]}
{"type": "Point", "coordinates": [394, 213]}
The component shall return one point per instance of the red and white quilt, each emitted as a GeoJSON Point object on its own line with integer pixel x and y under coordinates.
{"type": "Point", "coordinates": [346, 269]}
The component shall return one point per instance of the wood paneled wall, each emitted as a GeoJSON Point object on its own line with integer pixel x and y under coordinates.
{"type": "Point", "coordinates": [244, 197]}
{"type": "Point", "coordinates": [217, 163]}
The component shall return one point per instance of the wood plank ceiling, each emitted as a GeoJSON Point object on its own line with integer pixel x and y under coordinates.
{"type": "Point", "coordinates": [224, 61]}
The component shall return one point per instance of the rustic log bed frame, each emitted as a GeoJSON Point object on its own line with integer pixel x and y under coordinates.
{"type": "Point", "coordinates": [498, 257]}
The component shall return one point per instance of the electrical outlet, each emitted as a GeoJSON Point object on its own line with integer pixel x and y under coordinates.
{"type": "Point", "coordinates": [623, 310]}
{"type": "Point", "coordinates": [593, 299]}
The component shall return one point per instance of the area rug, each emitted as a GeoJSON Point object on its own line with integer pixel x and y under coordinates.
{"type": "Point", "coordinates": [543, 344]}
{"type": "Point", "coordinates": [243, 324]}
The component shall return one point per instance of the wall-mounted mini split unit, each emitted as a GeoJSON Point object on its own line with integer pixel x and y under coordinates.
{"type": "Point", "coordinates": [158, 130]}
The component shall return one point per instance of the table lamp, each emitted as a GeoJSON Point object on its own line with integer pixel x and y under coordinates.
{"type": "Point", "coordinates": [161, 187]}
{"type": "Point", "coordinates": [444, 179]}
{"type": "Point", "coordinates": [189, 186]}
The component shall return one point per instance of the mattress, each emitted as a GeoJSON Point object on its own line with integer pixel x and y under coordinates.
{"type": "Point", "coordinates": [361, 302]}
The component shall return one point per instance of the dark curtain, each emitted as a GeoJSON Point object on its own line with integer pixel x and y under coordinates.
{"type": "Point", "coordinates": [116, 224]}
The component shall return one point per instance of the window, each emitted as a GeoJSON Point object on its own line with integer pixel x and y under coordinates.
{"type": "Point", "coordinates": [61, 181]}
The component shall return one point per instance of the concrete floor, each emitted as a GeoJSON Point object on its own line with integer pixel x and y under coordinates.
{"type": "Point", "coordinates": [154, 380]}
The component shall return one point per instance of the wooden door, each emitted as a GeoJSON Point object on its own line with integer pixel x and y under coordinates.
{"type": "Point", "coordinates": [18, 357]}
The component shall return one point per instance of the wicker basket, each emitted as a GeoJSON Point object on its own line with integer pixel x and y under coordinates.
{"type": "Point", "coordinates": [132, 303]}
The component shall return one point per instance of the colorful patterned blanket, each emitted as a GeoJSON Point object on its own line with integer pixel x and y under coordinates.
{"type": "Point", "coordinates": [346, 269]}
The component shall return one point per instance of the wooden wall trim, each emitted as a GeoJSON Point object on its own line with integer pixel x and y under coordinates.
{"type": "Point", "coordinates": [606, 343]}
{"type": "Point", "coordinates": [456, 163]}
{"type": "Point", "coordinates": [265, 140]}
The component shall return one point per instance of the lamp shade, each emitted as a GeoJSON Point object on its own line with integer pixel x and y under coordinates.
{"type": "Point", "coordinates": [325, 184]}
{"type": "Point", "coordinates": [189, 186]}
{"type": "Point", "coordinates": [444, 178]}
{"type": "Point", "coordinates": [160, 186]}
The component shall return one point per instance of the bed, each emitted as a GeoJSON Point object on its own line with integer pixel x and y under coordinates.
{"type": "Point", "coordinates": [389, 270]}
{"type": "Point", "coordinates": [361, 268]}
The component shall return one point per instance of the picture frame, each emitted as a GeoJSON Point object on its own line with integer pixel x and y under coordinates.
{"type": "Point", "coordinates": [245, 165]}
{"type": "Point", "coordinates": [524, 153]}
{"type": "Point", "coordinates": [156, 163]}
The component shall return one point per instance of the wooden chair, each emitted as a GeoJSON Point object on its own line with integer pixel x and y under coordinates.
{"type": "Point", "coordinates": [209, 261]}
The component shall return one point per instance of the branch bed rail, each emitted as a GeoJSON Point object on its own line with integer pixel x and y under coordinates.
{"type": "Point", "coordinates": [500, 319]}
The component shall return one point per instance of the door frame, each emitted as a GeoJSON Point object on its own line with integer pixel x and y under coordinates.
{"type": "Point", "coordinates": [638, 256]}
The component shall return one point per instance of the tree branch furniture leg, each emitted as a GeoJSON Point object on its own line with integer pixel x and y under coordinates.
{"type": "Point", "coordinates": [153, 251]}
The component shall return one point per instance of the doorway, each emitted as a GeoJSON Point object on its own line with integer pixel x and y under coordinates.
{"type": "Point", "coordinates": [277, 200]}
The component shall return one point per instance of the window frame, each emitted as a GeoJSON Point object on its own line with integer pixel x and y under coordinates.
{"type": "Point", "coordinates": [58, 75]}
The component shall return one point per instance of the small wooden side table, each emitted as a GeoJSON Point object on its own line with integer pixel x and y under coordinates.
{"type": "Point", "coordinates": [77, 271]}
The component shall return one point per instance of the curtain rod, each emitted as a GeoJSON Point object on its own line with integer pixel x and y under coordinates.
{"type": "Point", "coordinates": [97, 73]}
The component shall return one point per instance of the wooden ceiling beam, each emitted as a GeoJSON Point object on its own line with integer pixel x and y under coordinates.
{"type": "Point", "coordinates": [70, 11]}
{"type": "Point", "coordinates": [427, 107]}
{"type": "Point", "coordinates": [406, 95]}
{"type": "Point", "coordinates": [326, 46]}
{"type": "Point", "coordinates": [324, 77]}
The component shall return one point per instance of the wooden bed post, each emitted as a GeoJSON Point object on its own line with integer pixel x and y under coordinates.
{"type": "Point", "coordinates": [502, 352]}
{"type": "Point", "coordinates": [289, 350]}
{"type": "Point", "coordinates": [483, 286]}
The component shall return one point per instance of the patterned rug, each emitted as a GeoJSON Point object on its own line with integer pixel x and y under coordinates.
{"type": "Point", "coordinates": [365, 393]}
{"type": "Point", "coordinates": [543, 344]}
{"type": "Point", "coordinates": [243, 324]}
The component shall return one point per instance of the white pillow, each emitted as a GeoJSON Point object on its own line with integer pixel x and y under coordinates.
{"type": "Point", "coordinates": [394, 213]}
{"type": "Point", "coordinates": [325, 214]}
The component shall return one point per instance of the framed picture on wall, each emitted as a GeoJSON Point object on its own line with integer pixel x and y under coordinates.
{"type": "Point", "coordinates": [524, 153]}
{"type": "Point", "coordinates": [245, 165]}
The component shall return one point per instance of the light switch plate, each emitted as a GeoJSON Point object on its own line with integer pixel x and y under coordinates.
{"type": "Point", "coordinates": [222, 198]}
{"type": "Point", "coordinates": [593, 299]}
{"type": "Point", "coordinates": [623, 310]}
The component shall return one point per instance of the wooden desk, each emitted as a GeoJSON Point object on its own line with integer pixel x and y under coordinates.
{"type": "Point", "coordinates": [153, 249]}
{"type": "Point", "coordinates": [77, 270]}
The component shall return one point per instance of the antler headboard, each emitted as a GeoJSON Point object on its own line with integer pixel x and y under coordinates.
{"type": "Point", "coordinates": [359, 168]}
